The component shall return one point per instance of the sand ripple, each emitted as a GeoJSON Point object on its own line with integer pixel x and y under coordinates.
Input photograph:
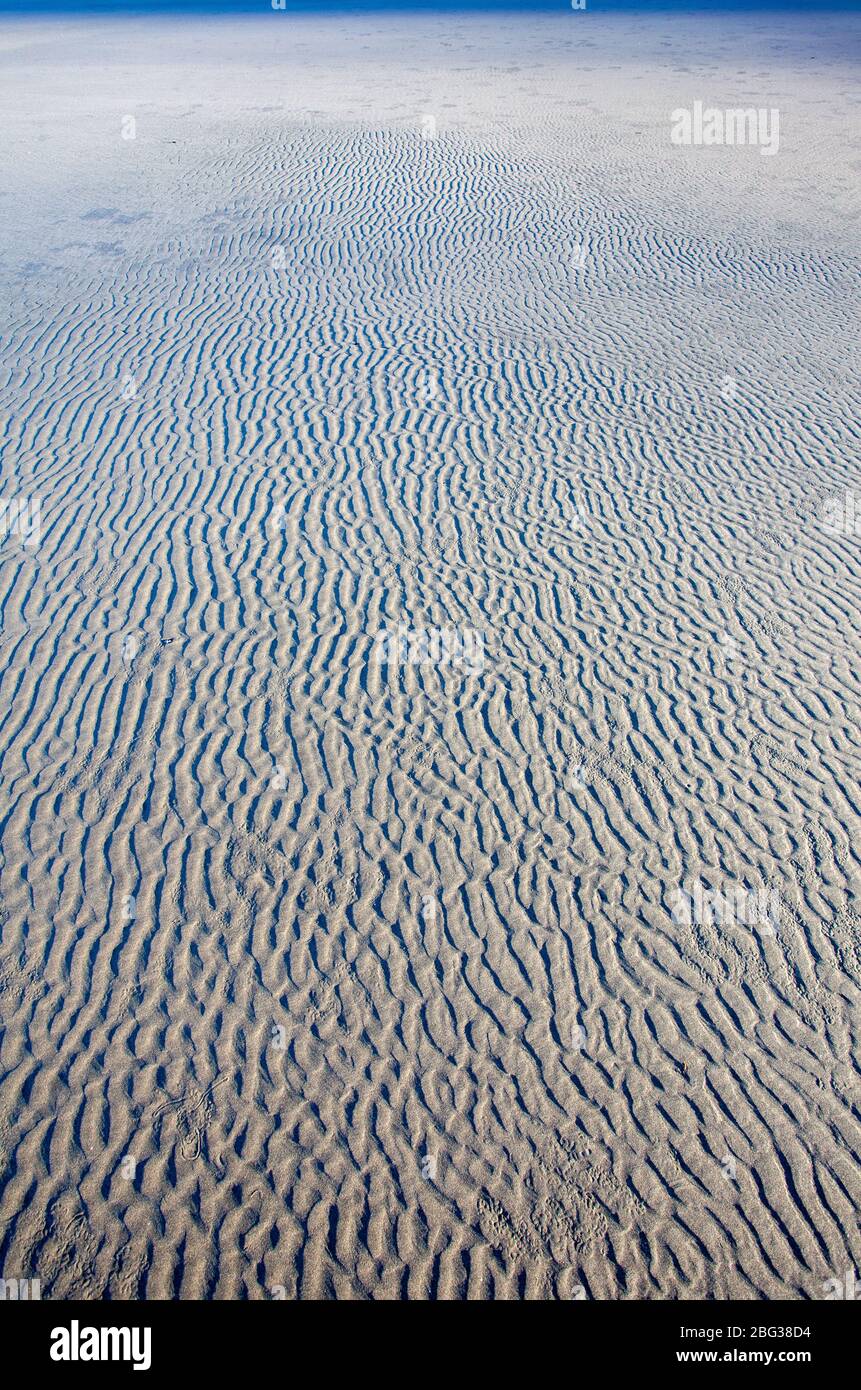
{"type": "Point", "coordinates": [324, 978]}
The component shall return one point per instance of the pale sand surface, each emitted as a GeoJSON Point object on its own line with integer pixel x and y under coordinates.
{"type": "Point", "coordinates": [375, 977]}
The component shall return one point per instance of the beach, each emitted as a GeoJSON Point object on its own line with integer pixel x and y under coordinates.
{"type": "Point", "coordinates": [429, 657]}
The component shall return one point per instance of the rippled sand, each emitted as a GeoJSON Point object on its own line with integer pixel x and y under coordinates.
{"type": "Point", "coordinates": [326, 975]}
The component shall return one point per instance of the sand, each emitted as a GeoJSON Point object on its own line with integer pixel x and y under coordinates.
{"type": "Point", "coordinates": [444, 579]}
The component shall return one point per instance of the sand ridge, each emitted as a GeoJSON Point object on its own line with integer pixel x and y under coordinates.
{"type": "Point", "coordinates": [324, 975]}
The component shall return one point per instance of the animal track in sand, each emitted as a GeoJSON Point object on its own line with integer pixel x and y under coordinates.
{"type": "Point", "coordinates": [569, 1203]}
{"type": "Point", "coordinates": [22, 983]}
{"type": "Point", "coordinates": [191, 1112]}
{"type": "Point", "coordinates": [324, 1001]}
{"type": "Point", "coordinates": [63, 1248]}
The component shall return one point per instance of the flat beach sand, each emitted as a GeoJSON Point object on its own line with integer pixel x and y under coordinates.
{"type": "Point", "coordinates": [429, 658]}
